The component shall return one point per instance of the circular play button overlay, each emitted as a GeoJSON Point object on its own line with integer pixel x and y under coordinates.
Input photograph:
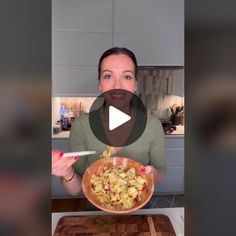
{"type": "Point", "coordinates": [117, 117]}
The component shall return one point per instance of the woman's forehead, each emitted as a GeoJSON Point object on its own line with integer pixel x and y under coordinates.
{"type": "Point", "coordinates": [117, 61]}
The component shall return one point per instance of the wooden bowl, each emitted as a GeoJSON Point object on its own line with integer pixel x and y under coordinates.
{"type": "Point", "coordinates": [97, 166]}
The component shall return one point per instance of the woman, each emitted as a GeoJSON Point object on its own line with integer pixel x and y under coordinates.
{"type": "Point", "coordinates": [117, 69]}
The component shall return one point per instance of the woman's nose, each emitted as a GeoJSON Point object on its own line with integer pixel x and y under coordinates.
{"type": "Point", "coordinates": [117, 84]}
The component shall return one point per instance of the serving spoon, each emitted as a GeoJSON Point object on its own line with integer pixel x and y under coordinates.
{"type": "Point", "coordinates": [81, 153]}
{"type": "Point", "coordinates": [84, 153]}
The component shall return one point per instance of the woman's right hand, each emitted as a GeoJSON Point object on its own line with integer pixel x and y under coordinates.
{"type": "Point", "coordinates": [62, 166]}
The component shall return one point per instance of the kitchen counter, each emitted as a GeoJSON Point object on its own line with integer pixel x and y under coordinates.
{"type": "Point", "coordinates": [176, 216]}
{"type": "Point", "coordinates": [179, 132]}
{"type": "Point", "coordinates": [62, 134]}
{"type": "Point", "coordinates": [174, 135]}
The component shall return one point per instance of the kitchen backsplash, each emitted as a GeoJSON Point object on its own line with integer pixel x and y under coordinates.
{"type": "Point", "coordinates": [159, 88]}
{"type": "Point", "coordinates": [162, 110]}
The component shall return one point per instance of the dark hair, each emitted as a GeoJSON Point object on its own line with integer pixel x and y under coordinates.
{"type": "Point", "coordinates": [118, 51]}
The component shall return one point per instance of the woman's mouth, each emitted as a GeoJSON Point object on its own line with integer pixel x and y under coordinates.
{"type": "Point", "coordinates": [117, 96]}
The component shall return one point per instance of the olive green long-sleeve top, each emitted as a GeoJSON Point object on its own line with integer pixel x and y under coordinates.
{"type": "Point", "coordinates": [149, 149]}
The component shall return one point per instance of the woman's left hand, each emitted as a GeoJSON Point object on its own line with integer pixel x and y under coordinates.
{"type": "Point", "coordinates": [146, 169]}
{"type": "Point", "coordinates": [157, 174]}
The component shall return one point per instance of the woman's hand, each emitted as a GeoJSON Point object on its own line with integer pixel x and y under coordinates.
{"type": "Point", "coordinates": [62, 166]}
{"type": "Point", "coordinates": [146, 169]}
{"type": "Point", "coordinates": [158, 175]}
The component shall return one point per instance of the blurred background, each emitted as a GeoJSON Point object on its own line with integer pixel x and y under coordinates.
{"type": "Point", "coordinates": [25, 100]}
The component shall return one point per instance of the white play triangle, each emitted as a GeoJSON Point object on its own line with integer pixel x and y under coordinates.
{"type": "Point", "coordinates": [117, 118]}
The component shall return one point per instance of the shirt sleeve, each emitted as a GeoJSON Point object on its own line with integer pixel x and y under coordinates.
{"type": "Point", "coordinates": [78, 143]}
{"type": "Point", "coordinates": [157, 148]}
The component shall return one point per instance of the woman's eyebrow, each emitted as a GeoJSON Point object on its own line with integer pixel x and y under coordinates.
{"type": "Point", "coordinates": [125, 71]}
{"type": "Point", "coordinates": [106, 71]}
{"type": "Point", "coordinates": [129, 71]}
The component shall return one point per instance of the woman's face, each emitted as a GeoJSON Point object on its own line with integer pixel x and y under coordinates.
{"type": "Point", "coordinates": [117, 72]}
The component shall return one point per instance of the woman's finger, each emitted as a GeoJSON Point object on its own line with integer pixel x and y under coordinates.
{"type": "Point", "coordinates": [60, 163]}
{"type": "Point", "coordinates": [57, 159]}
{"type": "Point", "coordinates": [69, 164]}
{"type": "Point", "coordinates": [146, 169]}
{"type": "Point", "coordinates": [56, 162]}
{"type": "Point", "coordinates": [56, 156]}
{"type": "Point", "coordinates": [61, 166]}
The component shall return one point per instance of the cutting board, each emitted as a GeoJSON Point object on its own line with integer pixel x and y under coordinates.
{"type": "Point", "coordinates": [114, 225]}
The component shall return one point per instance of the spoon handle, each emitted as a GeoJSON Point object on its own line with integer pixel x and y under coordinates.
{"type": "Point", "coordinates": [82, 153]}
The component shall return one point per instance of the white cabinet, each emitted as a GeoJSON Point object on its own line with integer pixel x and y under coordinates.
{"type": "Point", "coordinates": [79, 48]}
{"type": "Point", "coordinates": [173, 182]}
{"type": "Point", "coordinates": [153, 49]}
{"type": "Point", "coordinates": [149, 16]}
{"type": "Point", "coordinates": [81, 32]}
{"type": "Point", "coordinates": [81, 15]}
{"type": "Point", "coordinates": [153, 29]}
{"type": "Point", "coordinates": [174, 179]}
{"type": "Point", "coordinates": [75, 80]}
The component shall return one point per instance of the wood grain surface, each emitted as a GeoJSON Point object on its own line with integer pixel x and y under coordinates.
{"type": "Point", "coordinates": [115, 225]}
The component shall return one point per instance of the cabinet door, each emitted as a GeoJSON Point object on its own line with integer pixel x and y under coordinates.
{"type": "Point", "coordinates": [175, 157]}
{"type": "Point", "coordinates": [81, 32]}
{"type": "Point", "coordinates": [79, 48]}
{"type": "Point", "coordinates": [174, 179]}
{"type": "Point", "coordinates": [80, 15]}
{"type": "Point", "coordinates": [153, 29]}
{"type": "Point", "coordinates": [153, 49]}
{"type": "Point", "coordinates": [173, 182]}
{"type": "Point", "coordinates": [75, 81]}
{"type": "Point", "coordinates": [171, 142]}
{"type": "Point", "coordinates": [149, 16]}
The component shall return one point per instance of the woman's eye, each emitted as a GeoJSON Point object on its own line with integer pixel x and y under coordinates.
{"type": "Point", "coordinates": [127, 77]}
{"type": "Point", "coordinates": [107, 76]}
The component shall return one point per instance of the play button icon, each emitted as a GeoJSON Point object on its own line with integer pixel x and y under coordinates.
{"type": "Point", "coordinates": [117, 118]}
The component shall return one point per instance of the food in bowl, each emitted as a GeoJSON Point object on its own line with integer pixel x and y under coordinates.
{"type": "Point", "coordinates": [109, 151]}
{"type": "Point", "coordinates": [108, 180]}
{"type": "Point", "coordinates": [118, 188]}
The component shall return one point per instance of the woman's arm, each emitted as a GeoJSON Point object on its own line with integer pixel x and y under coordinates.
{"type": "Point", "coordinates": [72, 182]}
